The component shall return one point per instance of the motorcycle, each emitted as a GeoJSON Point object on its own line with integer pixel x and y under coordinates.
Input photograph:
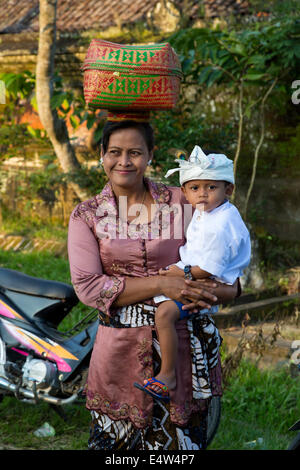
{"type": "Point", "coordinates": [295, 368]}
{"type": "Point", "coordinates": [295, 371]}
{"type": "Point", "coordinates": [295, 444]}
{"type": "Point", "coordinates": [37, 361]}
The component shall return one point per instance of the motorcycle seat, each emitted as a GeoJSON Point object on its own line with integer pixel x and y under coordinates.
{"type": "Point", "coordinates": [19, 282]}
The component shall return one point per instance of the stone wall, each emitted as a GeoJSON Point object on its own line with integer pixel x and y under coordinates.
{"type": "Point", "coordinates": [18, 53]}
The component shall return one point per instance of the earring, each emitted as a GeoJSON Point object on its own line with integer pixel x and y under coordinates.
{"type": "Point", "coordinates": [149, 162]}
{"type": "Point", "coordinates": [101, 162]}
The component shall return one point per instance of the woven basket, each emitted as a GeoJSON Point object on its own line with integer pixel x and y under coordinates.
{"type": "Point", "coordinates": [131, 77]}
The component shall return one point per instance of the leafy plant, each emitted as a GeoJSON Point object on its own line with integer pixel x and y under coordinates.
{"type": "Point", "coordinates": [18, 139]}
{"type": "Point", "coordinates": [179, 132]}
{"type": "Point", "coordinates": [264, 56]}
{"type": "Point", "coordinates": [18, 86]}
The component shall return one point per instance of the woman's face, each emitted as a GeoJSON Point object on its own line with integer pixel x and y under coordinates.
{"type": "Point", "coordinates": [126, 158]}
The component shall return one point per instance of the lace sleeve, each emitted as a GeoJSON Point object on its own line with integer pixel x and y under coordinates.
{"type": "Point", "coordinates": [93, 287]}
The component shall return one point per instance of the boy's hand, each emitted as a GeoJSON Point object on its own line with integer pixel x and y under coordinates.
{"type": "Point", "coordinates": [172, 271]}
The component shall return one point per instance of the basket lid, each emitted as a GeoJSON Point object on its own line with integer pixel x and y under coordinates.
{"type": "Point", "coordinates": [148, 59]}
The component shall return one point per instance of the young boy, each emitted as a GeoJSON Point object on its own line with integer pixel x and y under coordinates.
{"type": "Point", "coordinates": [217, 245]}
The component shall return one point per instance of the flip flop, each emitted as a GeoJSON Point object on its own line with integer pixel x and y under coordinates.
{"type": "Point", "coordinates": [163, 396]}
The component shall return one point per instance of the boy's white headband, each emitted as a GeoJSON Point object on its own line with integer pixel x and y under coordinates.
{"type": "Point", "coordinates": [204, 167]}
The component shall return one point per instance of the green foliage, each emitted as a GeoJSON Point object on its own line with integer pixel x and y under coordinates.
{"type": "Point", "coordinates": [257, 62]}
{"type": "Point", "coordinates": [275, 8]}
{"type": "Point", "coordinates": [41, 189]}
{"type": "Point", "coordinates": [70, 105]}
{"type": "Point", "coordinates": [15, 137]}
{"type": "Point", "coordinates": [176, 131]}
{"type": "Point", "coordinates": [19, 140]}
{"type": "Point", "coordinates": [255, 55]}
{"type": "Point", "coordinates": [48, 176]}
{"type": "Point", "coordinates": [276, 253]}
{"type": "Point", "coordinates": [92, 179]}
{"type": "Point", "coordinates": [289, 148]}
{"type": "Point", "coordinates": [18, 85]}
{"type": "Point", "coordinates": [37, 186]}
{"type": "Point", "coordinates": [258, 404]}
{"type": "Point", "coordinates": [11, 139]}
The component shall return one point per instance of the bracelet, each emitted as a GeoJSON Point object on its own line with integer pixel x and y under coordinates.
{"type": "Point", "coordinates": [187, 272]}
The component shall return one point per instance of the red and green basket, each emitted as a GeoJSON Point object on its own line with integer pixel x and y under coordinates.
{"type": "Point", "coordinates": [124, 78]}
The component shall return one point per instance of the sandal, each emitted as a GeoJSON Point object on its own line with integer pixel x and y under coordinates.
{"type": "Point", "coordinates": [163, 395]}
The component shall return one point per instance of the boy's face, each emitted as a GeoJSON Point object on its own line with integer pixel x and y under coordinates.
{"type": "Point", "coordinates": [206, 195]}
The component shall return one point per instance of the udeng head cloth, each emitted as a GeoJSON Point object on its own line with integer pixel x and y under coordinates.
{"type": "Point", "coordinates": [204, 167]}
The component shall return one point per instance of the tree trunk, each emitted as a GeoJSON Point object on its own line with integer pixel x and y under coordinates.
{"type": "Point", "coordinates": [56, 128]}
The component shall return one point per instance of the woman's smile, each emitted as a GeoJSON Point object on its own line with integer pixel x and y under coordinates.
{"type": "Point", "coordinates": [124, 173]}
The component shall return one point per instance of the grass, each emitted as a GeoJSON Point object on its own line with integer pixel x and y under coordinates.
{"type": "Point", "coordinates": [256, 404]}
{"type": "Point", "coordinates": [19, 421]}
{"type": "Point", "coordinates": [33, 228]}
{"type": "Point", "coordinates": [38, 264]}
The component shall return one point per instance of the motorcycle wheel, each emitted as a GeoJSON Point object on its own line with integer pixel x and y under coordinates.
{"type": "Point", "coordinates": [214, 415]}
{"type": "Point", "coordinates": [295, 444]}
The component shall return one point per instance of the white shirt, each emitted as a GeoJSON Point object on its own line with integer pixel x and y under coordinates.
{"type": "Point", "coordinates": [218, 242]}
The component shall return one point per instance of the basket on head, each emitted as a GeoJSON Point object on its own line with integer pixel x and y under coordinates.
{"type": "Point", "coordinates": [135, 78]}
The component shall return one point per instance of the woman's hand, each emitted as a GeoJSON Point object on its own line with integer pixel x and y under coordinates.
{"type": "Point", "coordinates": [172, 271]}
{"type": "Point", "coordinates": [193, 294]}
{"type": "Point", "coordinates": [222, 293]}
{"type": "Point", "coordinates": [202, 293]}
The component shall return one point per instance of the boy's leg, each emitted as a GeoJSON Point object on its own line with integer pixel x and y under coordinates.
{"type": "Point", "coordinates": [166, 316]}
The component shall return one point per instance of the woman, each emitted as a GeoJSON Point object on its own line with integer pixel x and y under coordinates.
{"type": "Point", "coordinates": [118, 241]}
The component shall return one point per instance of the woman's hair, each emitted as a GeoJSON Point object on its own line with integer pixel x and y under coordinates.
{"type": "Point", "coordinates": [143, 127]}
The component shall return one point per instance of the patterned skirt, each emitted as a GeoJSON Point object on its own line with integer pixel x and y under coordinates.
{"type": "Point", "coordinates": [163, 434]}
{"type": "Point", "coordinates": [107, 434]}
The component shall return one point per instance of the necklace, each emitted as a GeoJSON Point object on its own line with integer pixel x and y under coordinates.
{"type": "Point", "coordinates": [139, 211]}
